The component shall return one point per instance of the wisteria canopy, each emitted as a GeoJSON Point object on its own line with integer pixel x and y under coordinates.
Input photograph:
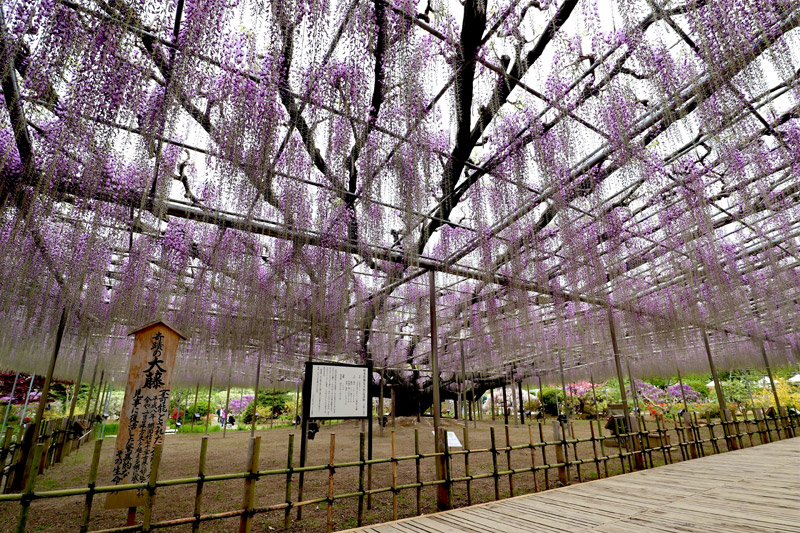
{"type": "Point", "coordinates": [278, 177]}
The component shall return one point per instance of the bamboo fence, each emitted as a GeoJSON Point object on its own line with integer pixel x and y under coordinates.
{"type": "Point", "coordinates": [682, 439]}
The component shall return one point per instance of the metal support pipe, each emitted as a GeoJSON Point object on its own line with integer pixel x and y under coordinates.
{"type": "Point", "coordinates": [771, 379]}
{"type": "Point", "coordinates": [10, 401]}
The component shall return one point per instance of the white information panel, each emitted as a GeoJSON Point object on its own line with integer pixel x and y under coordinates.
{"type": "Point", "coordinates": [452, 440]}
{"type": "Point", "coordinates": [339, 391]}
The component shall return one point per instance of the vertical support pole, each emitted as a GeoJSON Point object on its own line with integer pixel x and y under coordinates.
{"type": "Point", "coordinates": [779, 410]}
{"type": "Point", "coordinates": [683, 392]}
{"type": "Point", "coordinates": [594, 400]}
{"type": "Point", "coordinates": [394, 476]}
{"type": "Point", "coordinates": [86, 411]}
{"type": "Point", "coordinates": [201, 473]}
{"type": "Point", "coordinates": [392, 391]}
{"type": "Point", "coordinates": [466, 465]}
{"type": "Point", "coordinates": [100, 391]}
{"type": "Point", "coordinates": [331, 471]}
{"type": "Point", "coordinates": [623, 395]}
{"type": "Point", "coordinates": [227, 400]}
{"type": "Point", "coordinates": [304, 425]}
{"type": "Point", "coordinates": [565, 411]}
{"type": "Point", "coordinates": [491, 393]}
{"type": "Point", "coordinates": [255, 399]}
{"type": "Point", "coordinates": [594, 449]}
{"type": "Point", "coordinates": [380, 404]}
{"type": "Point", "coordinates": [287, 513]}
{"type": "Point", "coordinates": [194, 406]}
{"type": "Point", "coordinates": [369, 452]}
{"type": "Point", "coordinates": [185, 407]}
{"type": "Point", "coordinates": [37, 422]}
{"type": "Point", "coordinates": [25, 503]}
{"type": "Point", "coordinates": [151, 489]}
{"type": "Point", "coordinates": [463, 391]}
{"type": "Point", "coordinates": [514, 405]}
{"type": "Point", "coordinates": [74, 401]}
{"type": "Point", "coordinates": [533, 457]}
{"type": "Point", "coordinates": [723, 406]}
{"type": "Point", "coordinates": [602, 448]}
{"type": "Point", "coordinates": [443, 495]}
{"type": "Point", "coordinates": [558, 434]}
{"type": "Point", "coordinates": [362, 457]}
{"type": "Point", "coordinates": [87, 506]}
{"type": "Point", "coordinates": [541, 396]}
{"type": "Point", "coordinates": [544, 456]}
{"type": "Point", "coordinates": [508, 464]}
{"type": "Point", "coordinates": [505, 401]}
{"type": "Point", "coordinates": [105, 410]}
{"type": "Point", "coordinates": [418, 470]}
{"type": "Point", "coordinates": [495, 475]}
{"type": "Point", "coordinates": [208, 404]}
{"type": "Point", "coordinates": [10, 401]}
{"type": "Point", "coordinates": [27, 398]}
{"type": "Point", "coordinates": [248, 501]}
{"type": "Point", "coordinates": [521, 404]}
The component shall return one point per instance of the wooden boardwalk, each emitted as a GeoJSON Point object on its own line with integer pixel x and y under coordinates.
{"type": "Point", "coordinates": [755, 489]}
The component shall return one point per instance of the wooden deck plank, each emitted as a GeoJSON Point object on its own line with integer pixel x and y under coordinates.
{"type": "Point", "coordinates": [755, 489]}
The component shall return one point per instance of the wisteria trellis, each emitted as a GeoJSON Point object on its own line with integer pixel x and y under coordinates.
{"type": "Point", "coordinates": [266, 172]}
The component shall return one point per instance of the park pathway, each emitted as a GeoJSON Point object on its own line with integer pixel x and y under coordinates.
{"type": "Point", "coordinates": [755, 489]}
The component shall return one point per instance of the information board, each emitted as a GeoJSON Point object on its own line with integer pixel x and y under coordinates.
{"type": "Point", "coordinates": [336, 391]}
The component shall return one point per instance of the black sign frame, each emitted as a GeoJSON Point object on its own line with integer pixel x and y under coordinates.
{"type": "Point", "coordinates": [309, 372]}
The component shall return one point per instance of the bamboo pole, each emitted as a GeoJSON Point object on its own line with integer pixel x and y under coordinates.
{"type": "Point", "coordinates": [227, 402]}
{"type": "Point", "coordinates": [287, 513]}
{"type": "Point", "coordinates": [29, 484]}
{"type": "Point", "coordinates": [533, 457]}
{"type": "Point", "coordinates": [331, 471]}
{"type": "Point", "coordinates": [466, 465]}
{"type": "Point", "coordinates": [255, 397]}
{"type": "Point", "coordinates": [87, 506]}
{"type": "Point", "coordinates": [208, 403]}
{"type": "Point", "coordinates": [508, 463]}
{"type": "Point", "coordinates": [248, 501]}
{"type": "Point", "coordinates": [151, 488]}
{"type": "Point", "coordinates": [505, 401]}
{"type": "Point", "coordinates": [418, 470]}
{"type": "Point", "coordinates": [514, 405]}
{"type": "Point", "coordinates": [194, 407]}
{"type": "Point", "coordinates": [201, 472]}
{"type": "Point", "coordinates": [541, 395]}
{"type": "Point", "coordinates": [544, 454]}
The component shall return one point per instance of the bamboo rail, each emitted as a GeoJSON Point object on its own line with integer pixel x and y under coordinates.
{"type": "Point", "coordinates": [649, 443]}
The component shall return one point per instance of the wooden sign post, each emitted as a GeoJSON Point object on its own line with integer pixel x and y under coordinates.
{"type": "Point", "coordinates": [145, 410]}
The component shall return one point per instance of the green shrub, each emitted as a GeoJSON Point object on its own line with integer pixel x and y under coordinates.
{"type": "Point", "coordinates": [270, 405]}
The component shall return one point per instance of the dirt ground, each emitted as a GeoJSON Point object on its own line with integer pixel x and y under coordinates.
{"type": "Point", "coordinates": [229, 454]}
